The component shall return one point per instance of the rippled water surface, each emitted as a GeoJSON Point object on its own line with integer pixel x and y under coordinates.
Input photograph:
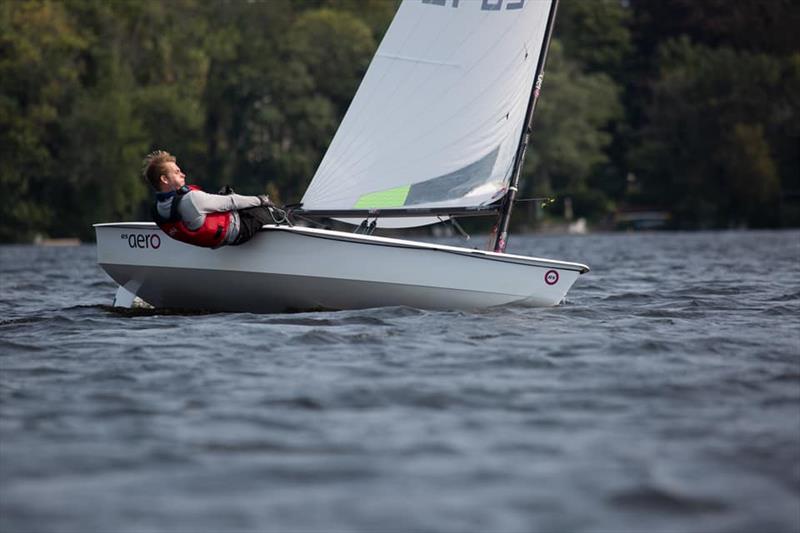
{"type": "Point", "coordinates": [664, 395]}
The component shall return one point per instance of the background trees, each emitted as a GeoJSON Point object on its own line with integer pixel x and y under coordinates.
{"type": "Point", "coordinates": [687, 106]}
{"type": "Point", "coordinates": [715, 111]}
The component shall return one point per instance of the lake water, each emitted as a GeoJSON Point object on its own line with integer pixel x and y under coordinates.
{"type": "Point", "coordinates": [663, 395]}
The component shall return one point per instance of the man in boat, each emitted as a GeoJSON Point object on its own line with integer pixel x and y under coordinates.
{"type": "Point", "coordinates": [186, 213]}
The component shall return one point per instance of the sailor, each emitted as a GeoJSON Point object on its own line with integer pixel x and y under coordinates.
{"type": "Point", "coordinates": [186, 213]}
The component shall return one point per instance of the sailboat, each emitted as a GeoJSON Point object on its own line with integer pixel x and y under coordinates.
{"type": "Point", "coordinates": [437, 130]}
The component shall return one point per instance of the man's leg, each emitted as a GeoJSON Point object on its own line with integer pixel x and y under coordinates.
{"type": "Point", "coordinates": [250, 221]}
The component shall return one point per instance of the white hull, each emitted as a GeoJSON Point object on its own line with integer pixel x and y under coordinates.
{"type": "Point", "coordinates": [285, 269]}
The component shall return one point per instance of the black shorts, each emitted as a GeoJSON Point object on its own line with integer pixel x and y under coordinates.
{"type": "Point", "coordinates": [250, 221]}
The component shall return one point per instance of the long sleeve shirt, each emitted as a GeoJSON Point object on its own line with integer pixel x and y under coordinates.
{"type": "Point", "coordinates": [196, 204]}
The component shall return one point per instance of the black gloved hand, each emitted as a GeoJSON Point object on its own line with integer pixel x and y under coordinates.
{"type": "Point", "coordinates": [265, 201]}
{"type": "Point", "coordinates": [226, 190]}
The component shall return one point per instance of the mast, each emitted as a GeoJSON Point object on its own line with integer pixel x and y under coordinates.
{"type": "Point", "coordinates": [500, 235]}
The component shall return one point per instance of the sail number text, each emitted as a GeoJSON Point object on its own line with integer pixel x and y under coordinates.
{"type": "Point", "coordinates": [486, 5]}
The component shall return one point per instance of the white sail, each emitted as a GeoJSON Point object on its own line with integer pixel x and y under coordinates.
{"type": "Point", "coordinates": [437, 119]}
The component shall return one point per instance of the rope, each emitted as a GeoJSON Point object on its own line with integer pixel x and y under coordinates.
{"type": "Point", "coordinates": [279, 216]}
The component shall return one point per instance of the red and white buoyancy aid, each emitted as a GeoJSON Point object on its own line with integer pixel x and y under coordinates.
{"type": "Point", "coordinates": [210, 235]}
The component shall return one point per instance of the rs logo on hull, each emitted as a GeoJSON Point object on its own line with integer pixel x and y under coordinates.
{"type": "Point", "coordinates": [140, 240]}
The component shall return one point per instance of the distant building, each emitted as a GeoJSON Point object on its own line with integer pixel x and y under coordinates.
{"type": "Point", "coordinates": [641, 218]}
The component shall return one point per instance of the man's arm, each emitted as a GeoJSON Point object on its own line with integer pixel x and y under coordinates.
{"type": "Point", "coordinates": [214, 203]}
{"type": "Point", "coordinates": [197, 204]}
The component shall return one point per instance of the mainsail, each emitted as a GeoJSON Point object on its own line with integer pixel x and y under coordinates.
{"type": "Point", "coordinates": [438, 117]}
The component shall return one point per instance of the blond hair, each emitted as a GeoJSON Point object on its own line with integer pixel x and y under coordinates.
{"type": "Point", "coordinates": [154, 166]}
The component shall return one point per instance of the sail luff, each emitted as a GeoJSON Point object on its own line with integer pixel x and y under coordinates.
{"type": "Point", "coordinates": [504, 219]}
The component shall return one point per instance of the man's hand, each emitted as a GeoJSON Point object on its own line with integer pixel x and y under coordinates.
{"type": "Point", "coordinates": [265, 201]}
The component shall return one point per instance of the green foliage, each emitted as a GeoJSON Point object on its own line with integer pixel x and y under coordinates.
{"type": "Point", "coordinates": [752, 178]}
{"type": "Point", "coordinates": [580, 116]}
{"type": "Point", "coordinates": [569, 136]}
{"type": "Point", "coordinates": [699, 99]}
{"type": "Point", "coordinates": [707, 147]}
{"type": "Point", "coordinates": [101, 184]}
{"type": "Point", "coordinates": [376, 14]}
{"type": "Point", "coordinates": [325, 55]}
{"type": "Point", "coordinates": [39, 67]}
{"type": "Point", "coordinates": [335, 48]}
{"type": "Point", "coordinates": [595, 34]}
{"type": "Point", "coordinates": [766, 26]}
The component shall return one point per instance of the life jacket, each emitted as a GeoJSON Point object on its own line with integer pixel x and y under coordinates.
{"type": "Point", "coordinates": [210, 235]}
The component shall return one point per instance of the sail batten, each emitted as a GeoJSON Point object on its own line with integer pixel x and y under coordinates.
{"type": "Point", "coordinates": [420, 60]}
{"type": "Point", "coordinates": [437, 119]}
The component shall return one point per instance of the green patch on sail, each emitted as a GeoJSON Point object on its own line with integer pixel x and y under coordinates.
{"type": "Point", "coordinates": [384, 199]}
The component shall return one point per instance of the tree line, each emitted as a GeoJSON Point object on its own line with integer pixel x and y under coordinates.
{"type": "Point", "coordinates": [684, 106]}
